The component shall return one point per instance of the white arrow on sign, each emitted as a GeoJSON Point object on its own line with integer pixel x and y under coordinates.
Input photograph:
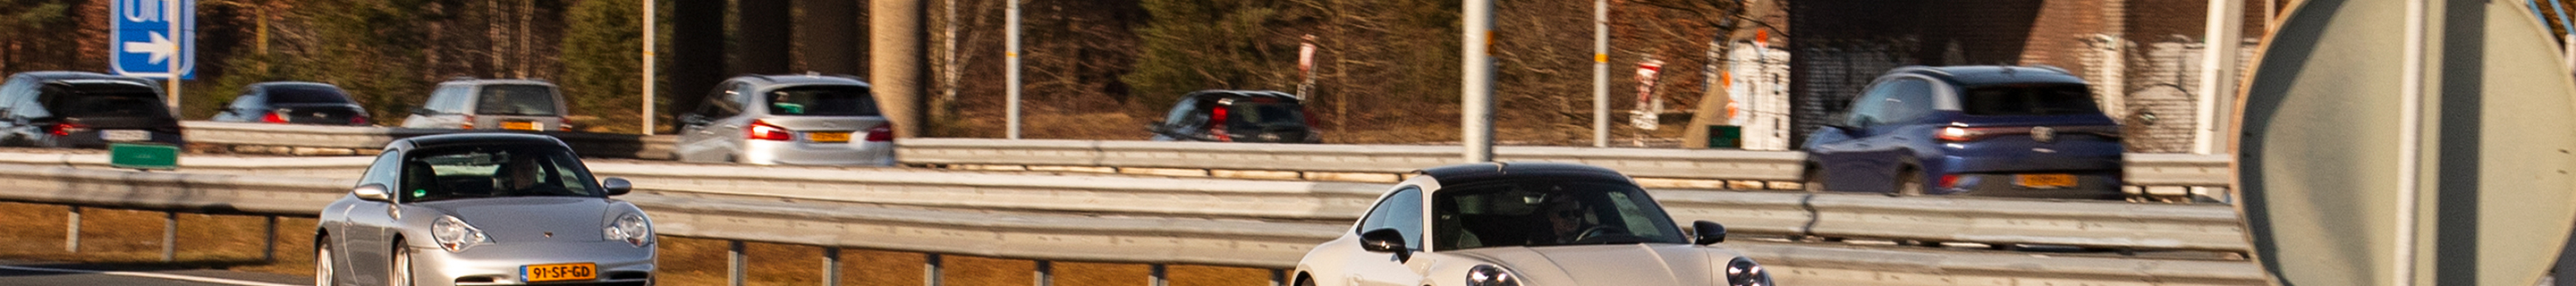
{"type": "Point", "coordinates": [160, 47]}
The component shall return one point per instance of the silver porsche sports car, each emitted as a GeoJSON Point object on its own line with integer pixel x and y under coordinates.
{"type": "Point", "coordinates": [483, 209]}
{"type": "Point", "coordinates": [1512, 224]}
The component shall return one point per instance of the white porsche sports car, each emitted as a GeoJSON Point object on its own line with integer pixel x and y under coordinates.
{"type": "Point", "coordinates": [1513, 224]}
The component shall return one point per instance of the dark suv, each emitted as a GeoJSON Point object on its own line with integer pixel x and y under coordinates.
{"type": "Point", "coordinates": [1237, 116]}
{"type": "Point", "coordinates": [1981, 130]}
{"type": "Point", "coordinates": [83, 110]}
{"type": "Point", "coordinates": [292, 102]}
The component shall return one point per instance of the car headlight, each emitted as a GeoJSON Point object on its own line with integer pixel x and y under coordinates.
{"type": "Point", "coordinates": [630, 228]}
{"type": "Point", "coordinates": [1488, 275]}
{"type": "Point", "coordinates": [1743, 272]}
{"type": "Point", "coordinates": [454, 235]}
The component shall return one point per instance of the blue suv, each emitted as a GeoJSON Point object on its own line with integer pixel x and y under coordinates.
{"type": "Point", "coordinates": [1979, 130]}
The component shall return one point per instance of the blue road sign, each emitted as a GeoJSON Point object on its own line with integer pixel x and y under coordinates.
{"type": "Point", "coordinates": [149, 37]}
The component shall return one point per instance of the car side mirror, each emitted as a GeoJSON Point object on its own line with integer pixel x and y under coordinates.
{"type": "Point", "coordinates": [372, 192]}
{"type": "Point", "coordinates": [1709, 232]}
{"type": "Point", "coordinates": [1386, 240]}
{"type": "Point", "coordinates": [693, 119]}
{"type": "Point", "coordinates": [617, 186]}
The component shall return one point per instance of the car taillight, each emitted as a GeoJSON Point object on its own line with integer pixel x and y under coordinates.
{"type": "Point", "coordinates": [563, 124]}
{"type": "Point", "coordinates": [64, 128]}
{"type": "Point", "coordinates": [359, 119]}
{"type": "Point", "coordinates": [1950, 181]}
{"type": "Point", "coordinates": [273, 117]}
{"type": "Point", "coordinates": [469, 122]}
{"type": "Point", "coordinates": [1956, 134]}
{"type": "Point", "coordinates": [881, 133]}
{"type": "Point", "coordinates": [762, 130]}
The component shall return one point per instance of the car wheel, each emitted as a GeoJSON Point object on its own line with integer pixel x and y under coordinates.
{"type": "Point", "coordinates": [401, 272]}
{"type": "Point", "coordinates": [1306, 281]}
{"type": "Point", "coordinates": [1815, 180]}
{"type": "Point", "coordinates": [1909, 183]}
{"type": "Point", "coordinates": [322, 262]}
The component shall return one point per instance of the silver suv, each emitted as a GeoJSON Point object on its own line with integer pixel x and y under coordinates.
{"type": "Point", "coordinates": [787, 120]}
{"type": "Point", "coordinates": [506, 104]}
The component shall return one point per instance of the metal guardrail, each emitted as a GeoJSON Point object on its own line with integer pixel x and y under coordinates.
{"type": "Point", "coordinates": [346, 140]}
{"type": "Point", "coordinates": [2143, 169]}
{"type": "Point", "coordinates": [1124, 239]}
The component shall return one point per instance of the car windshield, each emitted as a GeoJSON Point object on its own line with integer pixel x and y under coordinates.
{"type": "Point", "coordinates": [531, 100]}
{"type": "Point", "coordinates": [297, 95]}
{"type": "Point", "coordinates": [2012, 100]}
{"type": "Point", "coordinates": [1548, 213]}
{"type": "Point", "coordinates": [494, 171]}
{"type": "Point", "coordinates": [1264, 114]}
{"type": "Point", "coordinates": [822, 101]}
{"type": "Point", "coordinates": [109, 101]}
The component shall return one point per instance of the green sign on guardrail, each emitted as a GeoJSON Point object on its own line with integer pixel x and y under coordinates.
{"type": "Point", "coordinates": [143, 156]}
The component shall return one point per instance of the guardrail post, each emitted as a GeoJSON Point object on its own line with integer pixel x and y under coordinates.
{"type": "Point", "coordinates": [1278, 277]}
{"type": "Point", "coordinates": [269, 252]}
{"type": "Point", "coordinates": [1046, 273]}
{"type": "Point", "coordinates": [831, 266]}
{"type": "Point", "coordinates": [1159, 277]}
{"type": "Point", "coordinates": [170, 237]}
{"type": "Point", "coordinates": [930, 269]}
{"type": "Point", "coordinates": [733, 262]}
{"type": "Point", "coordinates": [71, 232]}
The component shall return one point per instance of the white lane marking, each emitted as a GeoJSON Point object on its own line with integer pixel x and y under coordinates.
{"type": "Point", "coordinates": [148, 275]}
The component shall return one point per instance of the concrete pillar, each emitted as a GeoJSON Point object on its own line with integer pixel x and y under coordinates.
{"type": "Point", "coordinates": [895, 45]}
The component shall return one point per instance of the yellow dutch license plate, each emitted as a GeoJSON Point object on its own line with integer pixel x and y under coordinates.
{"type": "Point", "coordinates": [2047, 181]}
{"type": "Point", "coordinates": [828, 137]}
{"type": "Point", "coordinates": [518, 125]}
{"type": "Point", "coordinates": [559, 272]}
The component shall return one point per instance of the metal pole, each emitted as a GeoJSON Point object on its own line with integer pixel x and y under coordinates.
{"type": "Point", "coordinates": [268, 253]}
{"type": "Point", "coordinates": [930, 269]}
{"type": "Point", "coordinates": [1160, 276]}
{"type": "Point", "coordinates": [71, 233]}
{"type": "Point", "coordinates": [1601, 73]}
{"type": "Point", "coordinates": [831, 266]}
{"type": "Point", "coordinates": [1046, 273]}
{"type": "Point", "coordinates": [2217, 74]}
{"type": "Point", "coordinates": [1477, 102]}
{"type": "Point", "coordinates": [1278, 277]}
{"type": "Point", "coordinates": [1011, 56]}
{"type": "Point", "coordinates": [2410, 132]}
{"type": "Point", "coordinates": [180, 51]}
{"type": "Point", "coordinates": [170, 237]}
{"type": "Point", "coordinates": [734, 261]}
{"type": "Point", "coordinates": [649, 42]}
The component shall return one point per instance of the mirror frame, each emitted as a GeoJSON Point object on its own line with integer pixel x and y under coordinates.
{"type": "Point", "coordinates": [372, 192]}
{"type": "Point", "coordinates": [617, 186]}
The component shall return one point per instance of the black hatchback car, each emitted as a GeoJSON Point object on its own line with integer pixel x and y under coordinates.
{"type": "Point", "coordinates": [83, 110]}
{"type": "Point", "coordinates": [1237, 116]}
{"type": "Point", "coordinates": [294, 102]}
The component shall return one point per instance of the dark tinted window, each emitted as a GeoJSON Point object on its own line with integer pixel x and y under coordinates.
{"type": "Point", "coordinates": [1257, 114]}
{"type": "Point", "coordinates": [493, 171]}
{"type": "Point", "coordinates": [105, 100]}
{"type": "Point", "coordinates": [2028, 100]}
{"type": "Point", "coordinates": [533, 100]}
{"type": "Point", "coordinates": [1547, 213]}
{"type": "Point", "coordinates": [294, 95]}
{"type": "Point", "coordinates": [822, 101]}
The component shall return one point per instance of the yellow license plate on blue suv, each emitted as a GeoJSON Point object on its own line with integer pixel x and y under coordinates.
{"type": "Point", "coordinates": [559, 272]}
{"type": "Point", "coordinates": [2046, 181]}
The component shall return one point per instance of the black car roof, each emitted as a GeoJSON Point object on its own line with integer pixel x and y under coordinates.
{"type": "Point", "coordinates": [76, 75]}
{"type": "Point", "coordinates": [474, 138]}
{"type": "Point", "coordinates": [294, 84]}
{"type": "Point", "coordinates": [1210, 95]}
{"type": "Point", "coordinates": [1994, 75]}
{"type": "Point", "coordinates": [1480, 172]}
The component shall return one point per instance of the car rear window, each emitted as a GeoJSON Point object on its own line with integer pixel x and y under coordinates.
{"type": "Point", "coordinates": [530, 100]}
{"type": "Point", "coordinates": [1265, 114]}
{"type": "Point", "coordinates": [822, 101]}
{"type": "Point", "coordinates": [108, 100]}
{"type": "Point", "coordinates": [2013, 100]}
{"type": "Point", "coordinates": [306, 95]}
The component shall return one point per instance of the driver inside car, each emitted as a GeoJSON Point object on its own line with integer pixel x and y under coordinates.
{"type": "Point", "coordinates": [1565, 218]}
{"type": "Point", "coordinates": [525, 175]}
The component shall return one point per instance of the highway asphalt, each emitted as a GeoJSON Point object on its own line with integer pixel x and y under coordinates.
{"type": "Point", "coordinates": [33, 273]}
